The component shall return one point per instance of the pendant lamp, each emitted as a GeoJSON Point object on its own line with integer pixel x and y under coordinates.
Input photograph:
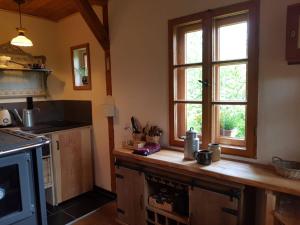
{"type": "Point", "coordinates": [21, 40]}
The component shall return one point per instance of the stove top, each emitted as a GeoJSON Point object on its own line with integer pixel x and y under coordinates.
{"type": "Point", "coordinates": [11, 141]}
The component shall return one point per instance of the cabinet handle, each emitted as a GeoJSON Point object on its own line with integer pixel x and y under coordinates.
{"type": "Point", "coordinates": [293, 34]}
{"type": "Point", "coordinates": [142, 202]}
{"type": "Point", "coordinates": [57, 145]}
{"type": "Point", "coordinates": [119, 176]}
{"type": "Point", "coordinates": [232, 212]}
{"type": "Point", "coordinates": [120, 211]}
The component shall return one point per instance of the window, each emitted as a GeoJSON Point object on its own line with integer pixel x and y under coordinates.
{"type": "Point", "coordinates": [213, 59]}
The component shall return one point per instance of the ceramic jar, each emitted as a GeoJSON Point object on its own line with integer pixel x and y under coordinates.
{"type": "Point", "coordinates": [216, 150]}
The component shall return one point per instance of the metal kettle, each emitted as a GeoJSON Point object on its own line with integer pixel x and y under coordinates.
{"type": "Point", "coordinates": [191, 144]}
{"type": "Point", "coordinates": [28, 119]}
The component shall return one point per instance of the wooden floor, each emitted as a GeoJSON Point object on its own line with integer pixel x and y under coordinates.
{"type": "Point", "coordinates": [104, 216]}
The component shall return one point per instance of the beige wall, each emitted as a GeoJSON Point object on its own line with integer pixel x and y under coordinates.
{"type": "Point", "coordinates": [140, 70]}
{"type": "Point", "coordinates": [40, 31]}
{"type": "Point", "coordinates": [73, 31]}
{"type": "Point", "coordinates": [54, 41]}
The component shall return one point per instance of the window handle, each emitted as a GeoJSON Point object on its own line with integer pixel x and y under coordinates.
{"type": "Point", "coordinates": [205, 83]}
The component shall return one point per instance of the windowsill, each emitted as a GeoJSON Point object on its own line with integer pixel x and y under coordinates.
{"type": "Point", "coordinates": [223, 156]}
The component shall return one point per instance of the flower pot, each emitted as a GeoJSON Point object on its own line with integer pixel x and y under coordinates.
{"type": "Point", "coordinates": [226, 133]}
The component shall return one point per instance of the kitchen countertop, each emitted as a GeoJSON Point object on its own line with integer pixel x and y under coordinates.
{"type": "Point", "coordinates": [12, 142]}
{"type": "Point", "coordinates": [53, 126]}
{"type": "Point", "coordinates": [250, 174]}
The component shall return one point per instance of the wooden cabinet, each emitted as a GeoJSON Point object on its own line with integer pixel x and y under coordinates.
{"type": "Point", "coordinates": [212, 208]}
{"type": "Point", "coordinates": [130, 196]}
{"type": "Point", "coordinates": [72, 159]}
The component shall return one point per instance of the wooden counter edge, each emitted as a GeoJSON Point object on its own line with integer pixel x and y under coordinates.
{"type": "Point", "coordinates": [185, 170]}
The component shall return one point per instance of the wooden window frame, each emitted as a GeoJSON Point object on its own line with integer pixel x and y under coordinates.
{"type": "Point", "coordinates": [217, 63]}
{"type": "Point", "coordinates": [207, 20]}
{"type": "Point", "coordinates": [180, 67]}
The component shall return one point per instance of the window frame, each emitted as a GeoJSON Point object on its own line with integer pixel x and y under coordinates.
{"type": "Point", "coordinates": [207, 22]}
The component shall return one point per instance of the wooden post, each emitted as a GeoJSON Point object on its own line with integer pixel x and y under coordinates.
{"type": "Point", "coordinates": [270, 207]}
{"type": "Point", "coordinates": [93, 22]}
{"type": "Point", "coordinates": [110, 120]}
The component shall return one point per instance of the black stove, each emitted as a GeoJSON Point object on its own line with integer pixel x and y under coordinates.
{"type": "Point", "coordinates": [12, 141]}
{"type": "Point", "coordinates": [22, 194]}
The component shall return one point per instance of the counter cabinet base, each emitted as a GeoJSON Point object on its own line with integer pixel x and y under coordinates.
{"type": "Point", "coordinates": [225, 201]}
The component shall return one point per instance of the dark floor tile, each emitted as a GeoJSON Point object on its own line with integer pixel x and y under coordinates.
{"type": "Point", "coordinates": [53, 209]}
{"type": "Point", "coordinates": [76, 207]}
{"type": "Point", "coordinates": [60, 218]}
{"type": "Point", "coordinates": [86, 205]}
{"type": "Point", "coordinates": [73, 201]}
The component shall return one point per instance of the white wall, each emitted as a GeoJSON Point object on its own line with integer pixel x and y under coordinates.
{"type": "Point", "coordinates": [54, 41]}
{"type": "Point", "coordinates": [140, 70]}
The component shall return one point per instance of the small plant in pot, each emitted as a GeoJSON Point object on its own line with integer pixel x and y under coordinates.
{"type": "Point", "coordinates": [152, 134]}
{"type": "Point", "coordinates": [227, 124]}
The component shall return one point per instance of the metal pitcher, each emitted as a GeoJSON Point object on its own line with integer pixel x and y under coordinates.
{"type": "Point", "coordinates": [191, 144]}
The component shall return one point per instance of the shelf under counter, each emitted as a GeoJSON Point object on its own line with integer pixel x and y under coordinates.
{"type": "Point", "coordinates": [249, 174]}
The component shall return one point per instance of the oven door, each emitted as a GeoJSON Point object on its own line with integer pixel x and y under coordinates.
{"type": "Point", "coordinates": [16, 198]}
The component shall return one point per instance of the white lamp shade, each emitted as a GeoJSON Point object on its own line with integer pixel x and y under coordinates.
{"type": "Point", "coordinates": [21, 40]}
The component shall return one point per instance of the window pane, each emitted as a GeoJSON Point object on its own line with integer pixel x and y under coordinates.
{"type": "Point", "coordinates": [188, 84]}
{"type": "Point", "coordinates": [232, 41]}
{"type": "Point", "coordinates": [230, 121]}
{"type": "Point", "coordinates": [194, 117]}
{"type": "Point", "coordinates": [187, 116]}
{"type": "Point", "coordinates": [230, 82]}
{"type": "Point", "coordinates": [193, 47]}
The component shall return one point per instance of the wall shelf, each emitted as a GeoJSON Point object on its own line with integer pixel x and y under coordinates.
{"type": "Point", "coordinates": [286, 219]}
{"type": "Point", "coordinates": [18, 79]}
{"type": "Point", "coordinates": [27, 70]}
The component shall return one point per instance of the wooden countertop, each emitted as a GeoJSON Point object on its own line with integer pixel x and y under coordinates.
{"type": "Point", "coordinates": [227, 170]}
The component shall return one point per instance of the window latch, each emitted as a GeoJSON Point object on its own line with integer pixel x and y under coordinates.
{"type": "Point", "coordinates": [205, 83]}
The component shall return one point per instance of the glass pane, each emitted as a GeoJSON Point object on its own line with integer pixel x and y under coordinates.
{"type": "Point", "coordinates": [230, 82]}
{"type": "Point", "coordinates": [10, 191]}
{"type": "Point", "coordinates": [230, 121]}
{"type": "Point", "coordinates": [186, 116]}
{"type": "Point", "coordinates": [188, 86]}
{"type": "Point", "coordinates": [193, 47]}
{"type": "Point", "coordinates": [233, 41]}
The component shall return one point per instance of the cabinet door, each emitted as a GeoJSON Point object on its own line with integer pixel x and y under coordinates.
{"type": "Point", "coordinates": [72, 158]}
{"type": "Point", "coordinates": [130, 196]}
{"type": "Point", "coordinates": [211, 208]}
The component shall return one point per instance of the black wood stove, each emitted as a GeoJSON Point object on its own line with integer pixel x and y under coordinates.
{"type": "Point", "coordinates": [22, 195]}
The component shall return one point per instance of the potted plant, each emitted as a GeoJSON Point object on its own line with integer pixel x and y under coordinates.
{"type": "Point", "coordinates": [227, 124]}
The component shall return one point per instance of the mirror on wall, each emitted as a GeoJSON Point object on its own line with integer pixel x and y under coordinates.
{"type": "Point", "coordinates": [299, 31]}
{"type": "Point", "coordinates": [293, 34]}
{"type": "Point", "coordinates": [81, 68]}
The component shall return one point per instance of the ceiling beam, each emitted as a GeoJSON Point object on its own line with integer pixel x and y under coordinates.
{"type": "Point", "coordinates": [94, 23]}
{"type": "Point", "coordinates": [99, 2]}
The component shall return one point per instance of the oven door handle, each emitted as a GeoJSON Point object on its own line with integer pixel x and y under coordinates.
{"type": "Point", "coordinates": [2, 193]}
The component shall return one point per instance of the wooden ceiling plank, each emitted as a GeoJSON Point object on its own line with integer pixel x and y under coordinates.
{"type": "Point", "coordinates": [99, 2]}
{"type": "Point", "coordinates": [54, 10]}
{"type": "Point", "coordinates": [94, 23]}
